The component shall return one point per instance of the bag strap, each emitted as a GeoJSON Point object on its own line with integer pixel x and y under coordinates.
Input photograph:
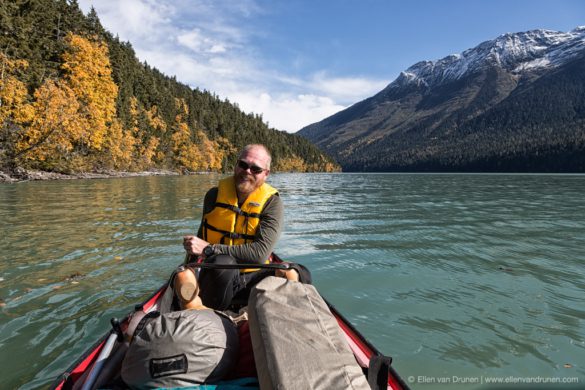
{"type": "Point", "coordinates": [378, 372]}
{"type": "Point", "coordinates": [166, 301]}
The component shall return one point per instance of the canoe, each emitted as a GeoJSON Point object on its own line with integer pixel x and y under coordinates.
{"type": "Point", "coordinates": [101, 362]}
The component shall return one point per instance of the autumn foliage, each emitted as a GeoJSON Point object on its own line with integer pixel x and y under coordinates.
{"type": "Point", "coordinates": [75, 99]}
{"type": "Point", "coordinates": [67, 121]}
{"type": "Point", "coordinates": [70, 123]}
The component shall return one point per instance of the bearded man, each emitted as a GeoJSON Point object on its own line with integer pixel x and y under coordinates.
{"type": "Point", "coordinates": [242, 220]}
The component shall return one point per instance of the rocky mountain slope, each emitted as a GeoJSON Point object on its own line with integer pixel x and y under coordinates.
{"type": "Point", "coordinates": [515, 103]}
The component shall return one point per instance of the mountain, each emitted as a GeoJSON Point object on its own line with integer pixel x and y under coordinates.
{"type": "Point", "coordinates": [74, 98]}
{"type": "Point", "coordinates": [515, 103]}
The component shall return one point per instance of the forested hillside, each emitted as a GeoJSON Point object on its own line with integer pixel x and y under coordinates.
{"type": "Point", "coordinates": [512, 104]}
{"type": "Point", "coordinates": [74, 98]}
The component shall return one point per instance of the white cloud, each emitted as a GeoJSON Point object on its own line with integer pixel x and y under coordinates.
{"type": "Point", "coordinates": [195, 41]}
{"type": "Point", "coordinates": [288, 112]}
{"type": "Point", "coordinates": [133, 20]}
{"type": "Point", "coordinates": [191, 40]}
{"type": "Point", "coordinates": [204, 45]}
{"type": "Point", "coordinates": [217, 49]}
{"type": "Point", "coordinates": [347, 88]}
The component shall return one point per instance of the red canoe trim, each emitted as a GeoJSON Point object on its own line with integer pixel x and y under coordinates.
{"type": "Point", "coordinates": [82, 366]}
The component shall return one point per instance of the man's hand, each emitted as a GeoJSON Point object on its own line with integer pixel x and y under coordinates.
{"type": "Point", "coordinates": [194, 245]}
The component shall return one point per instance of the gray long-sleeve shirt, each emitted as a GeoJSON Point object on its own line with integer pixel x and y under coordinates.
{"type": "Point", "coordinates": [267, 234]}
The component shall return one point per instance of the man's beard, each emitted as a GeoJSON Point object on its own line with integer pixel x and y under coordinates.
{"type": "Point", "coordinates": [245, 184]}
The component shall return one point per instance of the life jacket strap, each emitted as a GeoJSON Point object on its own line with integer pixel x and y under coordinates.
{"type": "Point", "coordinates": [237, 210]}
{"type": "Point", "coordinates": [227, 234]}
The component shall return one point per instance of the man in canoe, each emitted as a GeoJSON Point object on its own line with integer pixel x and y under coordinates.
{"type": "Point", "coordinates": [242, 220]}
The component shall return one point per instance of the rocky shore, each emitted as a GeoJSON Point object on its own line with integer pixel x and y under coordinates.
{"type": "Point", "coordinates": [30, 175]}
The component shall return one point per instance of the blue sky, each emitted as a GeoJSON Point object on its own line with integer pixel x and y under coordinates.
{"type": "Point", "coordinates": [297, 62]}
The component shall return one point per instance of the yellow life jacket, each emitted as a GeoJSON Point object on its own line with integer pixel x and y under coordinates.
{"type": "Point", "coordinates": [231, 224]}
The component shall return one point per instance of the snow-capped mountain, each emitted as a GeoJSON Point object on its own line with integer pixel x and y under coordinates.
{"type": "Point", "coordinates": [516, 53]}
{"type": "Point", "coordinates": [514, 103]}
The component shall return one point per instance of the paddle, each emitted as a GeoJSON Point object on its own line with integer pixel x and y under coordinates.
{"type": "Point", "coordinates": [101, 360]}
{"type": "Point", "coordinates": [284, 266]}
{"type": "Point", "coordinates": [199, 264]}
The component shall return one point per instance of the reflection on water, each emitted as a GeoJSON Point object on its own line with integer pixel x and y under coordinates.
{"type": "Point", "coordinates": [75, 254]}
{"type": "Point", "coordinates": [453, 275]}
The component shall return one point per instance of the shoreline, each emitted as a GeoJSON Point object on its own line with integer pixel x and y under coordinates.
{"type": "Point", "coordinates": [23, 175]}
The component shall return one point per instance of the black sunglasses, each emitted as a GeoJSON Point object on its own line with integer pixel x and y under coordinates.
{"type": "Point", "coordinates": [255, 169]}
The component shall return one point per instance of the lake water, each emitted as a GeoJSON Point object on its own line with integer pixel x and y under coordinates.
{"type": "Point", "coordinates": [461, 278]}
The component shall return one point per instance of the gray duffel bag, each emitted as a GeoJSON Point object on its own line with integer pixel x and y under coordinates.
{"type": "Point", "coordinates": [297, 342]}
{"type": "Point", "coordinates": [180, 349]}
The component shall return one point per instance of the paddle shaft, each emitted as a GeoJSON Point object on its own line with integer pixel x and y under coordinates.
{"type": "Point", "coordinates": [194, 264]}
{"type": "Point", "coordinates": [99, 363]}
{"type": "Point", "coordinates": [283, 266]}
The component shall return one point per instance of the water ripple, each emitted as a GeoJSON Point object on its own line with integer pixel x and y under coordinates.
{"type": "Point", "coordinates": [465, 275]}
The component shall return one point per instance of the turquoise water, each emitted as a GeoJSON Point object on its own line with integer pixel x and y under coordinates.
{"type": "Point", "coordinates": [463, 279]}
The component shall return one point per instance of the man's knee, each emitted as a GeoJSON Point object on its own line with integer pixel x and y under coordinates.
{"type": "Point", "coordinates": [220, 259]}
{"type": "Point", "coordinates": [216, 285]}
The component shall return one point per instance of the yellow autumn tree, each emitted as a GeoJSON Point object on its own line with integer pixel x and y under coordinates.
{"type": "Point", "coordinates": [185, 153]}
{"type": "Point", "coordinates": [15, 110]}
{"type": "Point", "coordinates": [146, 145]}
{"type": "Point", "coordinates": [150, 153]}
{"type": "Point", "coordinates": [293, 163]}
{"type": "Point", "coordinates": [210, 151]}
{"type": "Point", "coordinates": [192, 149]}
{"type": "Point", "coordinates": [151, 146]}
{"type": "Point", "coordinates": [55, 129]}
{"type": "Point", "coordinates": [73, 116]}
{"type": "Point", "coordinates": [155, 119]}
{"type": "Point", "coordinates": [13, 94]}
{"type": "Point", "coordinates": [88, 73]}
{"type": "Point", "coordinates": [224, 148]}
{"type": "Point", "coordinates": [119, 147]}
